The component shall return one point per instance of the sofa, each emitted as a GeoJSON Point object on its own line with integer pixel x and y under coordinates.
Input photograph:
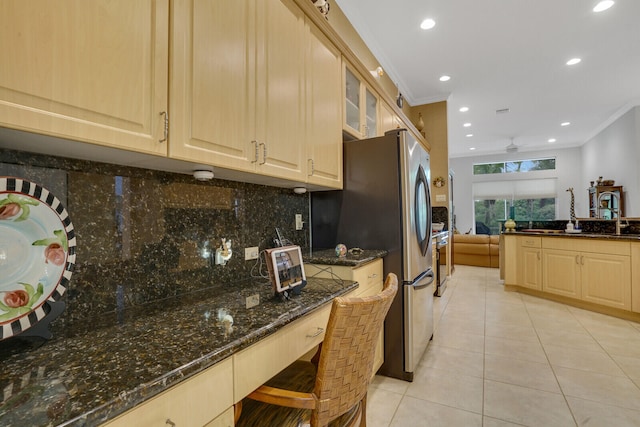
{"type": "Point", "coordinates": [480, 250]}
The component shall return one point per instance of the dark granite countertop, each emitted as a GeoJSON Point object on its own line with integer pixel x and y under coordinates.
{"type": "Point", "coordinates": [96, 372]}
{"type": "Point", "coordinates": [328, 256]}
{"type": "Point", "coordinates": [578, 235]}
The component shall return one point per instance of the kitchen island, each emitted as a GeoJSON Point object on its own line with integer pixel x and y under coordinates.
{"type": "Point", "coordinates": [92, 373]}
{"type": "Point", "coordinates": [594, 271]}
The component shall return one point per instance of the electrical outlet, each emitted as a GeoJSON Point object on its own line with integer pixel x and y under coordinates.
{"type": "Point", "coordinates": [251, 253]}
{"type": "Point", "coordinates": [252, 300]}
{"type": "Point", "coordinates": [441, 197]}
{"type": "Point", "coordinates": [299, 222]}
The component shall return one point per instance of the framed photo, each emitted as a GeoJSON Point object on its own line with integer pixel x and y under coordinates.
{"type": "Point", "coordinates": [286, 269]}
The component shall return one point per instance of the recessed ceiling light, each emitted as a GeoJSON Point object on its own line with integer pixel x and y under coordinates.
{"type": "Point", "coordinates": [445, 78]}
{"type": "Point", "coordinates": [565, 123]}
{"type": "Point", "coordinates": [428, 24]}
{"type": "Point", "coordinates": [469, 135]}
{"type": "Point", "coordinates": [466, 125]}
{"type": "Point", "coordinates": [464, 109]}
{"type": "Point", "coordinates": [574, 61]}
{"type": "Point", "coordinates": [603, 5]}
{"type": "Point", "coordinates": [551, 140]}
{"type": "Point", "coordinates": [472, 148]}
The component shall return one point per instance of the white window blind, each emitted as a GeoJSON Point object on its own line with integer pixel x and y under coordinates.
{"type": "Point", "coordinates": [515, 189]}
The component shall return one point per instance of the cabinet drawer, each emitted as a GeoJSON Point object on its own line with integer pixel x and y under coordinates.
{"type": "Point", "coordinates": [256, 364]}
{"type": "Point", "coordinates": [598, 246]}
{"type": "Point", "coordinates": [195, 401]}
{"type": "Point", "coordinates": [531, 242]}
{"type": "Point", "coordinates": [369, 276]}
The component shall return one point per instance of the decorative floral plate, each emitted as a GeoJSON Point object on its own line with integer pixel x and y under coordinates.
{"type": "Point", "coordinates": [37, 253]}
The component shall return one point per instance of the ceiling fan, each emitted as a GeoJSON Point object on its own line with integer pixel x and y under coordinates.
{"type": "Point", "coordinates": [512, 148]}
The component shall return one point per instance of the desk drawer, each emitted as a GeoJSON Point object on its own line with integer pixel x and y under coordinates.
{"type": "Point", "coordinates": [253, 366]}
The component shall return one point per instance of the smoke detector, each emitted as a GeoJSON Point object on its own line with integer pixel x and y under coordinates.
{"type": "Point", "coordinates": [512, 148]}
{"type": "Point", "coordinates": [203, 175]}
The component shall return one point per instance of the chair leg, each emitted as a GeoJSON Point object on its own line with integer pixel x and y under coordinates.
{"type": "Point", "coordinates": [363, 404]}
{"type": "Point", "coordinates": [237, 410]}
{"type": "Point", "coordinates": [316, 357]}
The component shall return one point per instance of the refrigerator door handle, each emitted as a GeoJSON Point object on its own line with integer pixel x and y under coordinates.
{"type": "Point", "coordinates": [420, 283]}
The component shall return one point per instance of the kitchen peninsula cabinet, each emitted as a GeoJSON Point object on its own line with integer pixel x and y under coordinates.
{"type": "Point", "coordinates": [360, 106]}
{"type": "Point", "coordinates": [91, 71]}
{"type": "Point", "coordinates": [595, 273]}
{"type": "Point", "coordinates": [237, 85]}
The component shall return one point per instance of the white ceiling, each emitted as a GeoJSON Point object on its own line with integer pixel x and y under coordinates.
{"type": "Point", "coordinates": [509, 54]}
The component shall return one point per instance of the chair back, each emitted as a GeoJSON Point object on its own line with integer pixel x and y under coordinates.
{"type": "Point", "coordinates": [348, 351]}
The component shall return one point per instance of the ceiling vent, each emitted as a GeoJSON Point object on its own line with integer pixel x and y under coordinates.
{"type": "Point", "coordinates": [502, 111]}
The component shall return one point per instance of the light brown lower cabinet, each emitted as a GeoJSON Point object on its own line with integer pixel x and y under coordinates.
{"type": "Point", "coordinates": [595, 271]}
{"type": "Point", "coordinates": [204, 400]}
{"type": "Point", "coordinates": [370, 278]}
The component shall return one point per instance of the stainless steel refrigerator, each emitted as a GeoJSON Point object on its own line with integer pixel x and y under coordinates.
{"type": "Point", "coordinates": [386, 204]}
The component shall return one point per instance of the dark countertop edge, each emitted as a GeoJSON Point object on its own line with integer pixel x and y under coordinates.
{"type": "Point", "coordinates": [327, 256]}
{"type": "Point", "coordinates": [634, 237]}
{"type": "Point", "coordinates": [148, 390]}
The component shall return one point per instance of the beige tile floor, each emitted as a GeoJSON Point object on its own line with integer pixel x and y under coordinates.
{"type": "Point", "coordinates": [505, 359]}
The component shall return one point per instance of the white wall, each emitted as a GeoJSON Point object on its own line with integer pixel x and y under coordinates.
{"type": "Point", "coordinates": [568, 174]}
{"type": "Point", "coordinates": [615, 154]}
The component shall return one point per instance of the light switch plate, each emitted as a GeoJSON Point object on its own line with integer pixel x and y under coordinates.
{"type": "Point", "coordinates": [251, 253]}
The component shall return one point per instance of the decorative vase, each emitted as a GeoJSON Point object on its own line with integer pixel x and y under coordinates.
{"type": "Point", "coordinates": [510, 225]}
{"type": "Point", "coordinates": [420, 124]}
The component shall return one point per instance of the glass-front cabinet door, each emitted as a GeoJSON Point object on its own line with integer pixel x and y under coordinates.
{"type": "Point", "coordinates": [371, 114]}
{"type": "Point", "coordinates": [360, 106]}
{"type": "Point", "coordinates": [352, 102]}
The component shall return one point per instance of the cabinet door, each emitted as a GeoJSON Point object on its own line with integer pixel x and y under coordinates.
{"type": "Point", "coordinates": [561, 272]}
{"type": "Point", "coordinates": [212, 83]}
{"type": "Point", "coordinates": [529, 262]}
{"type": "Point", "coordinates": [388, 119]}
{"type": "Point", "coordinates": [324, 118]}
{"type": "Point", "coordinates": [93, 71]}
{"type": "Point", "coordinates": [606, 280]}
{"type": "Point", "coordinates": [352, 104]}
{"type": "Point", "coordinates": [531, 268]}
{"type": "Point", "coordinates": [370, 113]}
{"type": "Point", "coordinates": [280, 101]}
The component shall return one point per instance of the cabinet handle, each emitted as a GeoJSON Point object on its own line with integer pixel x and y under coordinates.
{"type": "Point", "coordinates": [582, 259]}
{"type": "Point", "coordinates": [318, 332]}
{"type": "Point", "coordinates": [538, 253]}
{"type": "Point", "coordinates": [170, 423]}
{"type": "Point", "coordinates": [312, 169]}
{"type": "Point", "coordinates": [577, 259]}
{"type": "Point", "coordinates": [373, 276]}
{"type": "Point", "coordinates": [166, 126]}
{"type": "Point", "coordinates": [264, 153]}
{"type": "Point", "coordinates": [255, 152]}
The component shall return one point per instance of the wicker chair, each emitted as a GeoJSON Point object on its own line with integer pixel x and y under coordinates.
{"type": "Point", "coordinates": [331, 390]}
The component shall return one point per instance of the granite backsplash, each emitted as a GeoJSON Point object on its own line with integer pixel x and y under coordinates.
{"type": "Point", "coordinates": [146, 235]}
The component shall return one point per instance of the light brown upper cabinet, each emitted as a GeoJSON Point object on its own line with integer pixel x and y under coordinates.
{"type": "Point", "coordinates": [324, 115]}
{"type": "Point", "coordinates": [388, 119]}
{"type": "Point", "coordinates": [93, 71]}
{"type": "Point", "coordinates": [360, 106]}
{"type": "Point", "coordinates": [237, 85]}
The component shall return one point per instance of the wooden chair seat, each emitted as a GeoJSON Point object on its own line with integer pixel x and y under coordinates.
{"type": "Point", "coordinates": [332, 391]}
